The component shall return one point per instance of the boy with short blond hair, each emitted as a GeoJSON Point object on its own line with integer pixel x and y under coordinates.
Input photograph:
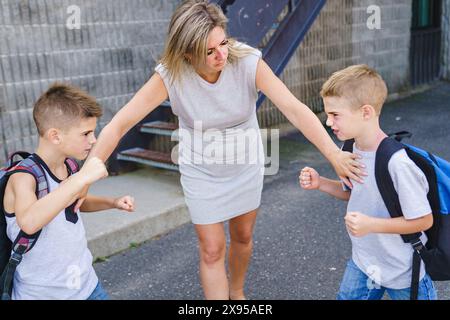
{"type": "Point", "coordinates": [59, 266]}
{"type": "Point", "coordinates": [381, 262]}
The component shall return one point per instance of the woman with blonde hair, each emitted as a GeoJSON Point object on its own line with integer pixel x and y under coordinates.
{"type": "Point", "coordinates": [212, 82]}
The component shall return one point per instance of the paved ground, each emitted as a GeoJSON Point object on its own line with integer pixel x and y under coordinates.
{"type": "Point", "coordinates": [301, 244]}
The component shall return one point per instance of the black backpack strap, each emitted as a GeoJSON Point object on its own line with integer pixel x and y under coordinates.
{"type": "Point", "coordinates": [348, 145]}
{"type": "Point", "coordinates": [22, 245]}
{"type": "Point", "coordinates": [385, 184]}
{"type": "Point", "coordinates": [415, 273]}
{"type": "Point", "coordinates": [23, 242]}
{"type": "Point", "coordinates": [385, 151]}
{"type": "Point", "coordinates": [400, 135]}
{"type": "Point", "coordinates": [71, 215]}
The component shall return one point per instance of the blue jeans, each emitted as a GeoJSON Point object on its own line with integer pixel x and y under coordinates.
{"type": "Point", "coordinates": [354, 286]}
{"type": "Point", "coordinates": [99, 293]}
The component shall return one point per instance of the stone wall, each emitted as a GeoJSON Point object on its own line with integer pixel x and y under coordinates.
{"type": "Point", "coordinates": [340, 37]}
{"type": "Point", "coordinates": [386, 49]}
{"type": "Point", "coordinates": [114, 53]}
{"type": "Point", "coordinates": [446, 39]}
{"type": "Point", "coordinates": [110, 56]}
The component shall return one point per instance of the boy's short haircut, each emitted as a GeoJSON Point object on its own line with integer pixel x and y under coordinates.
{"type": "Point", "coordinates": [359, 84]}
{"type": "Point", "coordinates": [62, 106]}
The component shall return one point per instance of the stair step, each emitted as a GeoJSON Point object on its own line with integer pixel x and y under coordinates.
{"type": "Point", "coordinates": [148, 157]}
{"type": "Point", "coordinates": [159, 127]}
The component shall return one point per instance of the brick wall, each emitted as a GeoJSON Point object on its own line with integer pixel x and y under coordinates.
{"type": "Point", "coordinates": [327, 47]}
{"type": "Point", "coordinates": [111, 56]}
{"type": "Point", "coordinates": [386, 49]}
{"type": "Point", "coordinates": [114, 52]}
{"type": "Point", "coordinates": [339, 38]}
{"type": "Point", "coordinates": [446, 40]}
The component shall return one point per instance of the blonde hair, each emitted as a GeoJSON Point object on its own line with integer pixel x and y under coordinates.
{"type": "Point", "coordinates": [359, 84]}
{"type": "Point", "coordinates": [188, 33]}
{"type": "Point", "coordinates": [61, 106]}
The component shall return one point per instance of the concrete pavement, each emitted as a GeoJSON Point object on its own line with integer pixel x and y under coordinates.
{"type": "Point", "coordinates": [160, 205]}
{"type": "Point", "coordinates": [300, 242]}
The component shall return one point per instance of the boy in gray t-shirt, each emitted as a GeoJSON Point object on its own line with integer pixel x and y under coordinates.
{"type": "Point", "coordinates": [381, 261]}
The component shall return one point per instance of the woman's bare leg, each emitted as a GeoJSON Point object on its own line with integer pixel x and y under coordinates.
{"type": "Point", "coordinates": [212, 246]}
{"type": "Point", "coordinates": [241, 245]}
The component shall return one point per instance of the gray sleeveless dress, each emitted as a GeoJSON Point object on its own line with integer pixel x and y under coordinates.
{"type": "Point", "coordinates": [221, 155]}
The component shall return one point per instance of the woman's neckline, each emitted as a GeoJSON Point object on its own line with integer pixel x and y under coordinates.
{"type": "Point", "coordinates": [211, 84]}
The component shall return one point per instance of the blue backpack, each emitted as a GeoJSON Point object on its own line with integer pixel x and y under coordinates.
{"type": "Point", "coordinates": [11, 252]}
{"type": "Point", "coordinates": [436, 253]}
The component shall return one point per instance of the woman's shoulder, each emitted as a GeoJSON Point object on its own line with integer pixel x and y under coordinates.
{"type": "Point", "coordinates": [161, 69]}
{"type": "Point", "coordinates": [247, 59]}
{"type": "Point", "coordinates": [245, 51]}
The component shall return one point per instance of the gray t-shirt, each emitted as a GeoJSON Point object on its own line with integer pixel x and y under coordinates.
{"type": "Point", "coordinates": [385, 258]}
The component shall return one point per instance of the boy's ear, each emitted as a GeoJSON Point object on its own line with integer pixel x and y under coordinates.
{"type": "Point", "coordinates": [368, 111]}
{"type": "Point", "coordinates": [54, 135]}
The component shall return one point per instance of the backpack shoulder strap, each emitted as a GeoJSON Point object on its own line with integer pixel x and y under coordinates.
{"type": "Point", "coordinates": [348, 145]}
{"type": "Point", "coordinates": [384, 153]}
{"type": "Point", "coordinates": [23, 242]}
{"type": "Point", "coordinates": [22, 154]}
{"type": "Point", "coordinates": [32, 166]}
{"type": "Point", "coordinates": [73, 168]}
{"type": "Point", "coordinates": [72, 165]}
{"type": "Point", "coordinates": [27, 166]}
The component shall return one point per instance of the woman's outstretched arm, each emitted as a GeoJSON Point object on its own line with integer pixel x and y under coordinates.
{"type": "Point", "coordinates": [150, 96]}
{"type": "Point", "coordinates": [307, 122]}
